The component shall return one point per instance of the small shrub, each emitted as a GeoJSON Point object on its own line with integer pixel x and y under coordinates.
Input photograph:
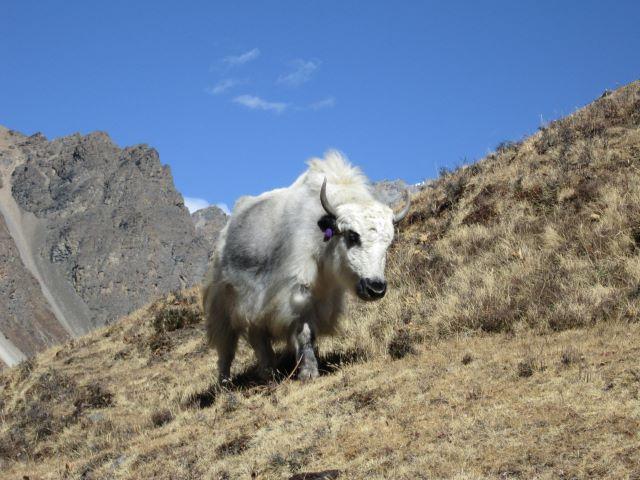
{"type": "Point", "coordinates": [175, 312]}
{"type": "Point", "coordinates": [483, 210]}
{"type": "Point", "coordinates": [235, 446]}
{"type": "Point", "coordinates": [365, 399]}
{"type": "Point", "coordinates": [297, 459]}
{"type": "Point", "coordinates": [542, 195]}
{"type": "Point", "coordinates": [159, 343]}
{"type": "Point", "coordinates": [587, 190]}
{"type": "Point", "coordinates": [525, 368]}
{"type": "Point", "coordinates": [455, 188]}
{"type": "Point", "coordinates": [203, 399]}
{"type": "Point", "coordinates": [401, 345]}
{"type": "Point", "coordinates": [161, 417]}
{"type": "Point", "coordinates": [174, 318]}
{"type": "Point", "coordinates": [481, 215]}
{"type": "Point", "coordinates": [92, 395]}
{"type": "Point", "coordinates": [418, 215]}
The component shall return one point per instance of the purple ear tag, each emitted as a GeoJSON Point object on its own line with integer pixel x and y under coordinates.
{"type": "Point", "coordinates": [328, 233]}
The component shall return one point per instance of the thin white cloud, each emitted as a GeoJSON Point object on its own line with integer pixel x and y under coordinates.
{"type": "Point", "coordinates": [328, 102]}
{"type": "Point", "coordinates": [194, 204]}
{"type": "Point", "coordinates": [302, 72]}
{"type": "Point", "coordinates": [256, 103]}
{"type": "Point", "coordinates": [224, 207]}
{"type": "Point", "coordinates": [222, 86]}
{"type": "Point", "coordinates": [235, 60]}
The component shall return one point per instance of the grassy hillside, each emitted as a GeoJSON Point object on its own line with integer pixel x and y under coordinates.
{"type": "Point", "coordinates": [507, 346]}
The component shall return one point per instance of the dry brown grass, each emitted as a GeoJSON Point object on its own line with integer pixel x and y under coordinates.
{"type": "Point", "coordinates": [560, 405]}
{"type": "Point", "coordinates": [507, 347]}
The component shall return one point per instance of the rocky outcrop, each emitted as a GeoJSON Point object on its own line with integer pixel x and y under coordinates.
{"type": "Point", "coordinates": [95, 232]}
{"type": "Point", "coordinates": [25, 316]}
{"type": "Point", "coordinates": [208, 222]}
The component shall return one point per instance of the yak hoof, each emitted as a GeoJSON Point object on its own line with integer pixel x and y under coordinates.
{"type": "Point", "coordinates": [308, 373]}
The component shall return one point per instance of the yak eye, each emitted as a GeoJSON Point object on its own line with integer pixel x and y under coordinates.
{"type": "Point", "coordinates": [352, 238]}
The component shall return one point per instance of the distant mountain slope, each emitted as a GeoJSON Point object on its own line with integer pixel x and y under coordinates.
{"type": "Point", "coordinates": [27, 323]}
{"type": "Point", "coordinates": [507, 346]}
{"type": "Point", "coordinates": [208, 222]}
{"type": "Point", "coordinates": [101, 230]}
{"type": "Point", "coordinates": [25, 315]}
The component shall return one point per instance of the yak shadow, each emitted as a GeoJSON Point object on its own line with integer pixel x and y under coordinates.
{"type": "Point", "coordinates": [286, 365]}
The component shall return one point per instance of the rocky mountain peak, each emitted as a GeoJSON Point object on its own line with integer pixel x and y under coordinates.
{"type": "Point", "coordinates": [95, 230]}
{"type": "Point", "coordinates": [209, 221]}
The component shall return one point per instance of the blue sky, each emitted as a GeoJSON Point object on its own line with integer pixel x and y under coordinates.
{"type": "Point", "coordinates": [237, 95]}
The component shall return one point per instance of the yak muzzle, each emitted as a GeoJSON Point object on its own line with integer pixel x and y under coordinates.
{"type": "Point", "coordinates": [371, 289]}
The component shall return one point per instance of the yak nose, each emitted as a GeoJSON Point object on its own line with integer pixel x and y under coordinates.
{"type": "Point", "coordinates": [375, 288]}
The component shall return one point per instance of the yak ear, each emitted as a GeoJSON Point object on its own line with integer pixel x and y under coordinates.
{"type": "Point", "coordinates": [327, 221]}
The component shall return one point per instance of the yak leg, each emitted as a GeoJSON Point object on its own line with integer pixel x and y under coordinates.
{"type": "Point", "coordinates": [260, 341]}
{"type": "Point", "coordinates": [217, 299]}
{"type": "Point", "coordinates": [226, 348]}
{"type": "Point", "coordinates": [303, 343]}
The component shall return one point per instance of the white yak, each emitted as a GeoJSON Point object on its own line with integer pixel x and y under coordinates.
{"type": "Point", "coordinates": [286, 258]}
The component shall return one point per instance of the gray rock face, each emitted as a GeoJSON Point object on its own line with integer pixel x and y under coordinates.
{"type": "Point", "coordinates": [107, 231]}
{"type": "Point", "coordinates": [208, 222]}
{"type": "Point", "coordinates": [117, 228]}
{"type": "Point", "coordinates": [25, 317]}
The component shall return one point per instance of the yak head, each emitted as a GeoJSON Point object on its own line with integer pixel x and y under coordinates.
{"type": "Point", "coordinates": [360, 234]}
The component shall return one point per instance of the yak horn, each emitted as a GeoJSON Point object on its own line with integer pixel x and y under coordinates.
{"type": "Point", "coordinates": [325, 202]}
{"type": "Point", "coordinates": [397, 217]}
